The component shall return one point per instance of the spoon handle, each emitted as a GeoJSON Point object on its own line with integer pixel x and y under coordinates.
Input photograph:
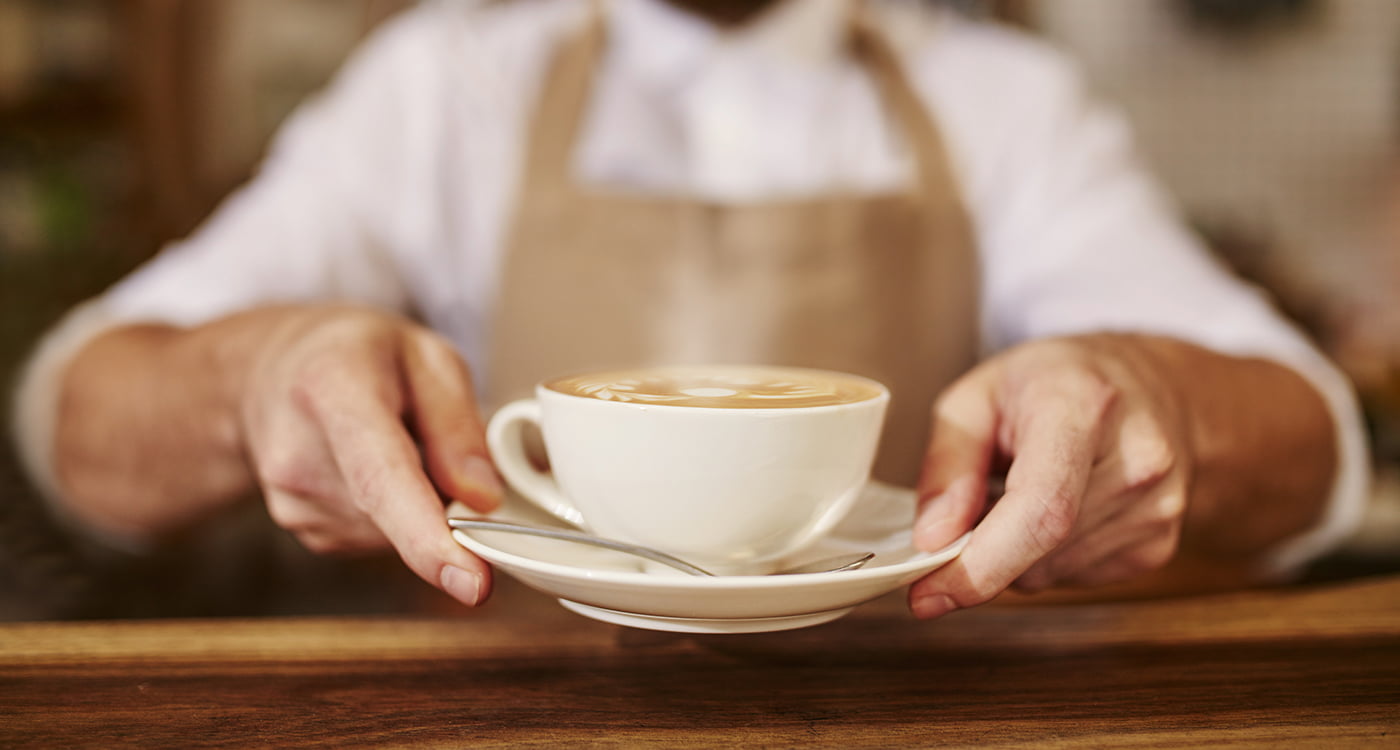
{"type": "Point", "coordinates": [574, 536]}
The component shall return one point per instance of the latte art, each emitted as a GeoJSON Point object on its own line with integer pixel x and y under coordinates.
{"type": "Point", "coordinates": [729, 387]}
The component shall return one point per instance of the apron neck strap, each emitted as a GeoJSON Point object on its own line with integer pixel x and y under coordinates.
{"type": "Point", "coordinates": [563, 101]}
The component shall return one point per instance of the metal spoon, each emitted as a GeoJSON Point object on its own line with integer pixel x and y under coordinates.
{"type": "Point", "coordinates": [827, 565]}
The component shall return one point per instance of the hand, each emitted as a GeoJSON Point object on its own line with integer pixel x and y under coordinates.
{"type": "Point", "coordinates": [1097, 451]}
{"type": "Point", "coordinates": [330, 411]}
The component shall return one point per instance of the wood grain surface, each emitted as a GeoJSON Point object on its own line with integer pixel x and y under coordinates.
{"type": "Point", "coordinates": [1310, 667]}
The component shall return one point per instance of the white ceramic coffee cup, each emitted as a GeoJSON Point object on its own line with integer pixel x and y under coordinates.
{"type": "Point", "coordinates": [730, 489]}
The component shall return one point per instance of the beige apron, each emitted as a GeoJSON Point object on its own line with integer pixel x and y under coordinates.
{"type": "Point", "coordinates": [884, 286]}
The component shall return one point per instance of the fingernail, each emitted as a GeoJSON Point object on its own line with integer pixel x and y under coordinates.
{"type": "Point", "coordinates": [933, 605]}
{"type": "Point", "coordinates": [479, 472]}
{"type": "Point", "coordinates": [465, 587]}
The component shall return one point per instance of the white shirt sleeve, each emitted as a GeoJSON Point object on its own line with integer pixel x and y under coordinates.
{"type": "Point", "coordinates": [1076, 238]}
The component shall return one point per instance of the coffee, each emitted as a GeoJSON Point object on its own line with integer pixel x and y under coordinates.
{"type": "Point", "coordinates": [721, 387]}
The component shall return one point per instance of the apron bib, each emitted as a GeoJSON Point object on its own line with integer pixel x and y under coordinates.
{"type": "Point", "coordinates": [879, 285]}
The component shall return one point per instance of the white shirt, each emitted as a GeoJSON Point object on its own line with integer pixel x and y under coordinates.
{"type": "Point", "coordinates": [395, 186]}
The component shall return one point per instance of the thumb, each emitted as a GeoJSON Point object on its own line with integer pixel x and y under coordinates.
{"type": "Point", "coordinates": [442, 405]}
{"type": "Point", "coordinates": [952, 489]}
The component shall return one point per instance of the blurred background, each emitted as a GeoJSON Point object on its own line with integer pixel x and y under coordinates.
{"type": "Point", "coordinates": [1275, 123]}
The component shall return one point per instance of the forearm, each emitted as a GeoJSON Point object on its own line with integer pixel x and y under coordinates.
{"type": "Point", "coordinates": [1263, 448]}
{"type": "Point", "coordinates": [148, 437]}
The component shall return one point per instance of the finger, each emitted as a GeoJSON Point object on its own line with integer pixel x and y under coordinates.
{"type": "Point", "coordinates": [1148, 527]}
{"type": "Point", "coordinates": [1107, 571]}
{"type": "Point", "coordinates": [951, 514]}
{"type": "Point", "coordinates": [1143, 555]}
{"type": "Point", "coordinates": [322, 530]}
{"type": "Point", "coordinates": [381, 466]}
{"type": "Point", "coordinates": [952, 487]}
{"type": "Point", "coordinates": [1137, 458]}
{"type": "Point", "coordinates": [442, 405]}
{"type": "Point", "coordinates": [290, 453]}
{"type": "Point", "coordinates": [301, 485]}
{"type": "Point", "coordinates": [1054, 445]}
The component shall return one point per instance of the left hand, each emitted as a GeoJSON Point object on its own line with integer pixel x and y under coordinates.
{"type": "Point", "coordinates": [1096, 444]}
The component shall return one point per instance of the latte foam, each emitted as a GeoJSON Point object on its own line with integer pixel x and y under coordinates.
{"type": "Point", "coordinates": [725, 387]}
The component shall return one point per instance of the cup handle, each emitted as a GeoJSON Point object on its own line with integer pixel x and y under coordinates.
{"type": "Point", "coordinates": [505, 436]}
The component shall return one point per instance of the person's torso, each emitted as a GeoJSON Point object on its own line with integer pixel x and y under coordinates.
{"type": "Point", "coordinates": [462, 160]}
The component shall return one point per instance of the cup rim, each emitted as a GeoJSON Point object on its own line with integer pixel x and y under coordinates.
{"type": "Point", "coordinates": [882, 391]}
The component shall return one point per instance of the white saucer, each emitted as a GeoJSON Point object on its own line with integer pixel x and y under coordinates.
{"type": "Point", "coordinates": [614, 587]}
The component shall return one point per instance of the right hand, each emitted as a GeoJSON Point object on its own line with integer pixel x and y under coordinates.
{"type": "Point", "coordinates": [335, 406]}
